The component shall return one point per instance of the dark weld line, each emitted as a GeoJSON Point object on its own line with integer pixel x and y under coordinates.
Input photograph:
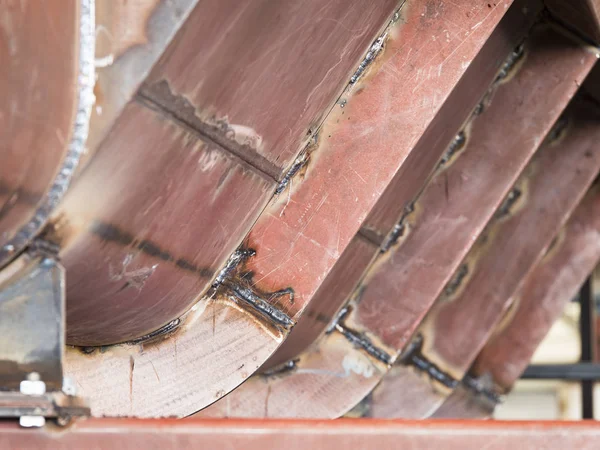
{"type": "Point", "coordinates": [110, 233]}
{"type": "Point", "coordinates": [480, 387]}
{"type": "Point", "coordinates": [456, 280]}
{"type": "Point", "coordinates": [168, 328]}
{"type": "Point", "coordinates": [508, 203]}
{"type": "Point", "coordinates": [434, 372]}
{"type": "Point", "coordinates": [457, 144]}
{"type": "Point", "coordinates": [299, 163]}
{"type": "Point", "coordinates": [236, 258]}
{"type": "Point", "coordinates": [511, 62]}
{"type": "Point", "coordinates": [398, 230]}
{"type": "Point", "coordinates": [413, 356]}
{"type": "Point", "coordinates": [281, 369]}
{"type": "Point", "coordinates": [358, 339]}
{"type": "Point", "coordinates": [211, 133]}
{"type": "Point", "coordinates": [260, 305]}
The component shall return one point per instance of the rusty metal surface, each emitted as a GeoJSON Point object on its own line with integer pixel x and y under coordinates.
{"type": "Point", "coordinates": [123, 281]}
{"type": "Point", "coordinates": [262, 90]}
{"type": "Point", "coordinates": [395, 137]}
{"type": "Point", "coordinates": [351, 434]}
{"type": "Point", "coordinates": [479, 170]}
{"type": "Point", "coordinates": [297, 238]}
{"type": "Point", "coordinates": [97, 322]}
{"type": "Point", "coordinates": [47, 54]}
{"type": "Point", "coordinates": [534, 308]}
{"type": "Point", "coordinates": [461, 321]}
{"type": "Point", "coordinates": [542, 298]}
{"type": "Point", "coordinates": [412, 174]}
{"type": "Point", "coordinates": [338, 285]}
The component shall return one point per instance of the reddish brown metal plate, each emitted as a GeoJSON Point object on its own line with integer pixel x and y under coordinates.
{"type": "Point", "coordinates": [120, 257]}
{"type": "Point", "coordinates": [331, 376]}
{"type": "Point", "coordinates": [413, 173]}
{"type": "Point", "coordinates": [259, 77]}
{"type": "Point", "coordinates": [461, 198]}
{"type": "Point", "coordinates": [47, 72]}
{"type": "Point", "coordinates": [462, 319]}
{"type": "Point", "coordinates": [318, 435]}
{"type": "Point", "coordinates": [131, 35]}
{"type": "Point", "coordinates": [299, 236]}
{"type": "Point", "coordinates": [122, 234]}
{"type": "Point", "coordinates": [534, 309]}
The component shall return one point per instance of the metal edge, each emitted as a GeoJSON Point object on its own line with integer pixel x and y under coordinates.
{"type": "Point", "coordinates": [85, 101]}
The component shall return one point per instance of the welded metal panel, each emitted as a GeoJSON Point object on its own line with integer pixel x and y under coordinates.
{"type": "Point", "coordinates": [534, 309]}
{"type": "Point", "coordinates": [463, 318]}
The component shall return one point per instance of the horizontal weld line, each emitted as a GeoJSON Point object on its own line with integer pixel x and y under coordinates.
{"type": "Point", "coordinates": [269, 174]}
{"type": "Point", "coordinates": [365, 344]}
{"type": "Point", "coordinates": [473, 385]}
{"type": "Point", "coordinates": [260, 305]}
{"type": "Point", "coordinates": [424, 365]}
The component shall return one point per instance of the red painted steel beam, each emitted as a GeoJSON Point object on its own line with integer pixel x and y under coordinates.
{"type": "Point", "coordinates": [300, 234]}
{"type": "Point", "coordinates": [411, 177]}
{"type": "Point", "coordinates": [534, 309]}
{"type": "Point", "coordinates": [464, 316]}
{"type": "Point", "coordinates": [340, 369]}
{"type": "Point", "coordinates": [349, 434]}
{"type": "Point", "coordinates": [154, 239]}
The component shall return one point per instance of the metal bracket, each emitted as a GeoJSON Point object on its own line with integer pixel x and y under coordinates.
{"type": "Point", "coordinates": [32, 326]}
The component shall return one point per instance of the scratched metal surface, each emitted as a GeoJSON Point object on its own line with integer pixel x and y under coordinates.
{"type": "Point", "coordinates": [463, 318]}
{"type": "Point", "coordinates": [320, 372]}
{"type": "Point", "coordinates": [119, 256]}
{"type": "Point", "coordinates": [318, 435]}
{"type": "Point", "coordinates": [337, 287]}
{"type": "Point", "coordinates": [412, 175]}
{"type": "Point", "coordinates": [101, 322]}
{"type": "Point", "coordinates": [40, 65]}
{"type": "Point", "coordinates": [534, 309]}
{"type": "Point", "coordinates": [112, 245]}
{"type": "Point", "coordinates": [297, 238]}
{"type": "Point", "coordinates": [259, 76]}
{"type": "Point", "coordinates": [470, 184]}
{"type": "Point", "coordinates": [129, 57]}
